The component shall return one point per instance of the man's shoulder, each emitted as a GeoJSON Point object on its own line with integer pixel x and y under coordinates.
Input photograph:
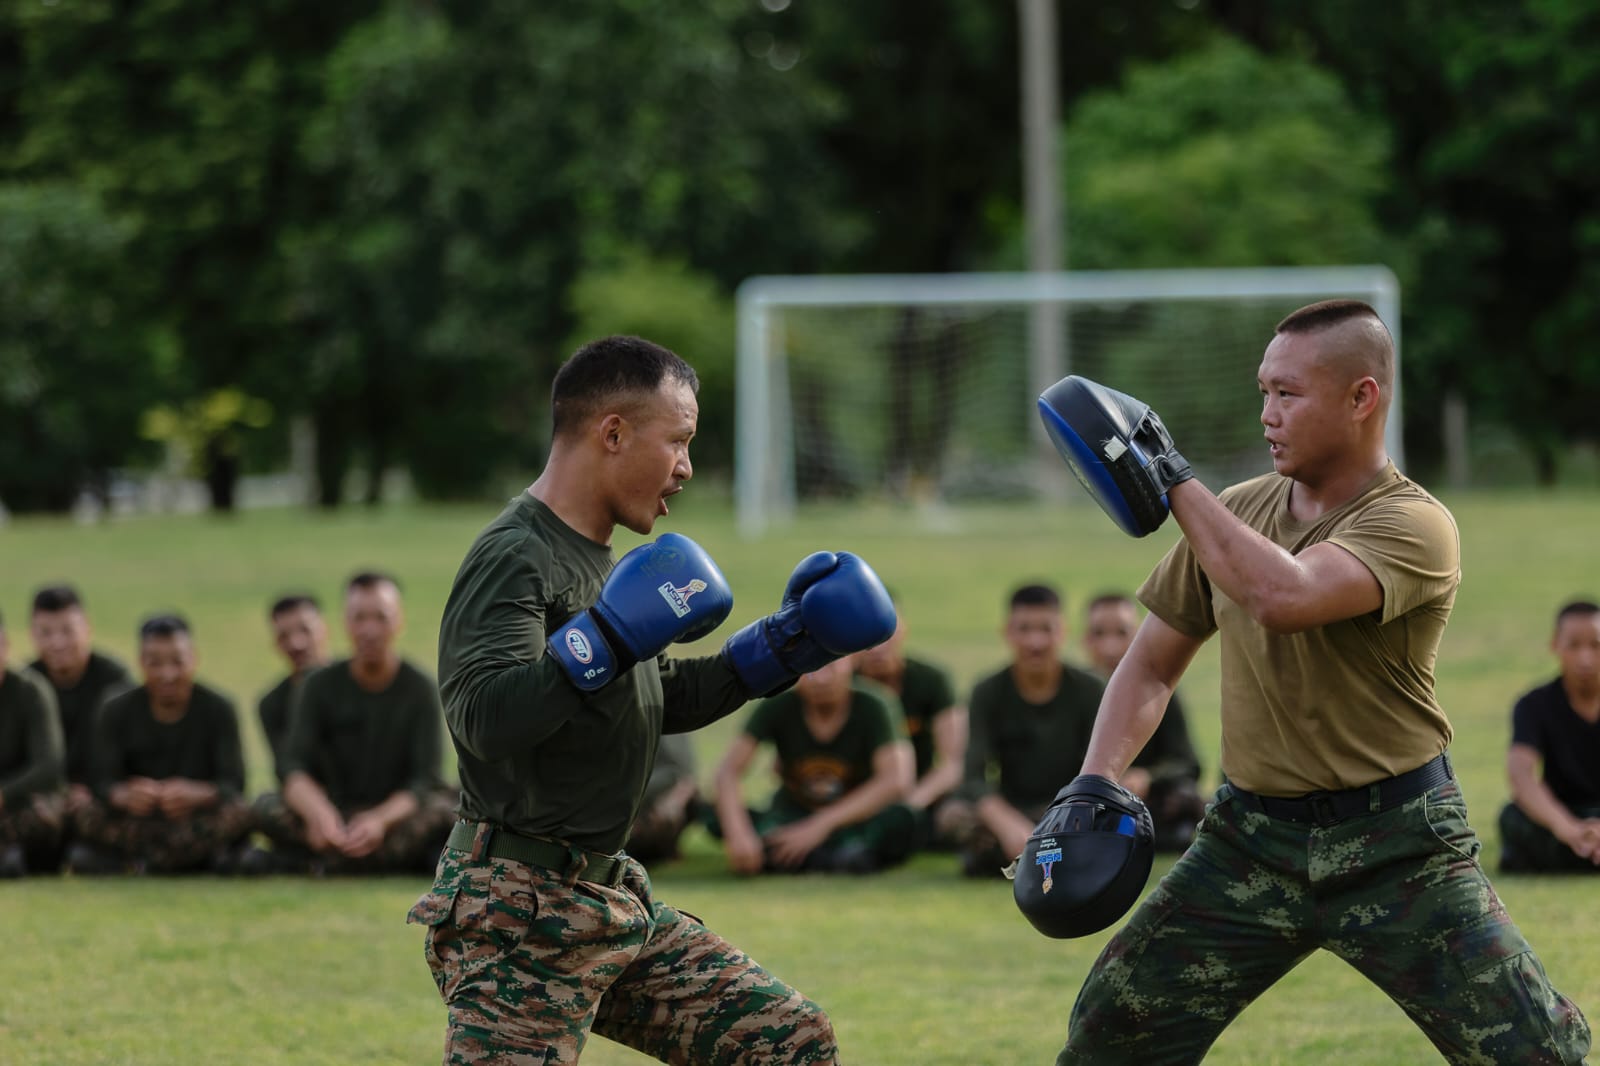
{"type": "Point", "coordinates": [279, 692]}
{"type": "Point", "coordinates": [1253, 492]}
{"type": "Point", "coordinates": [993, 684]}
{"type": "Point", "coordinates": [36, 683]}
{"type": "Point", "coordinates": [1543, 699]}
{"type": "Point", "coordinates": [1079, 683]}
{"type": "Point", "coordinates": [212, 700]}
{"type": "Point", "coordinates": [106, 669]}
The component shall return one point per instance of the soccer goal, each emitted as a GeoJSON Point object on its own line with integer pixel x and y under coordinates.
{"type": "Point", "coordinates": [921, 387]}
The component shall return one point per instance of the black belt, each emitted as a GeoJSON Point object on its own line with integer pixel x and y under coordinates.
{"type": "Point", "coordinates": [552, 855]}
{"type": "Point", "coordinates": [1330, 808]}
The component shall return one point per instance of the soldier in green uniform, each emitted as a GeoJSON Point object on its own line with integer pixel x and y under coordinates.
{"type": "Point", "coordinates": [1030, 725]}
{"type": "Point", "coordinates": [936, 723]}
{"type": "Point", "coordinates": [845, 771]}
{"type": "Point", "coordinates": [362, 791]}
{"type": "Point", "coordinates": [300, 634]}
{"type": "Point", "coordinates": [1339, 825]}
{"type": "Point", "coordinates": [83, 677]}
{"type": "Point", "coordinates": [167, 769]}
{"type": "Point", "coordinates": [1166, 775]}
{"type": "Point", "coordinates": [33, 762]}
{"type": "Point", "coordinates": [557, 689]}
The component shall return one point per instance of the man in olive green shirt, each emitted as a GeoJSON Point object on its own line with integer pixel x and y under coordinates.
{"type": "Point", "coordinates": [1030, 725]}
{"type": "Point", "coordinates": [1339, 826]}
{"type": "Point", "coordinates": [361, 768]}
{"type": "Point", "coordinates": [300, 634]}
{"type": "Point", "coordinates": [1166, 775]}
{"type": "Point", "coordinates": [671, 801]}
{"type": "Point", "coordinates": [32, 768]}
{"type": "Point", "coordinates": [553, 760]}
{"type": "Point", "coordinates": [845, 770]}
{"type": "Point", "coordinates": [167, 769]}
{"type": "Point", "coordinates": [935, 722]}
{"type": "Point", "coordinates": [83, 677]}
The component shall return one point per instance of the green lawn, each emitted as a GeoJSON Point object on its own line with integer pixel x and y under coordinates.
{"type": "Point", "coordinates": [915, 966]}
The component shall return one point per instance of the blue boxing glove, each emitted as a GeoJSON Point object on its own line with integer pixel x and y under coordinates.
{"type": "Point", "coordinates": [833, 605]}
{"type": "Point", "coordinates": [659, 593]}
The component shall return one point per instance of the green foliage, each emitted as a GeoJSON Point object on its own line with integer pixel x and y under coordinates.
{"type": "Point", "coordinates": [71, 376]}
{"type": "Point", "coordinates": [672, 304]}
{"type": "Point", "coordinates": [1223, 157]}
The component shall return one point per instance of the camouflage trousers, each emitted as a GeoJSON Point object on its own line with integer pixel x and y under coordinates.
{"type": "Point", "coordinates": [163, 845]}
{"type": "Point", "coordinates": [38, 824]}
{"type": "Point", "coordinates": [1397, 894]}
{"type": "Point", "coordinates": [410, 846]}
{"type": "Point", "coordinates": [529, 961]}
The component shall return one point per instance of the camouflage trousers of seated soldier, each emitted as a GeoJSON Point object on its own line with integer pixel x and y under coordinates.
{"type": "Point", "coordinates": [530, 961]}
{"type": "Point", "coordinates": [1398, 894]}
{"type": "Point", "coordinates": [38, 823]}
{"type": "Point", "coordinates": [410, 846]}
{"type": "Point", "coordinates": [161, 845]}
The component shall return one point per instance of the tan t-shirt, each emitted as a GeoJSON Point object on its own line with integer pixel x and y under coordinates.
{"type": "Point", "coordinates": [1342, 705]}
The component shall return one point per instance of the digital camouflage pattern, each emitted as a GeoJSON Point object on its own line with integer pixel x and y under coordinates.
{"type": "Point", "coordinates": [530, 961]}
{"type": "Point", "coordinates": [161, 845]}
{"type": "Point", "coordinates": [1398, 894]}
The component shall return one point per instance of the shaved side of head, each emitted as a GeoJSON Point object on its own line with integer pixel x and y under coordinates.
{"type": "Point", "coordinates": [1352, 341]}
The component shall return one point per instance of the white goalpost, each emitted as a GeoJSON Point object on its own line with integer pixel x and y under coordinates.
{"type": "Point", "coordinates": [922, 387]}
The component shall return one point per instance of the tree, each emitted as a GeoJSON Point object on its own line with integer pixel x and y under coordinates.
{"type": "Point", "coordinates": [1491, 108]}
{"type": "Point", "coordinates": [72, 377]}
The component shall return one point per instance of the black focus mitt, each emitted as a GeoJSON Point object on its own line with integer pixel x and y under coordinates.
{"type": "Point", "coordinates": [1087, 860]}
{"type": "Point", "coordinates": [1117, 448]}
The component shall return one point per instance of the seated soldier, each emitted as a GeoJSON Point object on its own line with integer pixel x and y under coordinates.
{"type": "Point", "coordinates": [1166, 774]}
{"type": "Point", "coordinates": [671, 801]}
{"type": "Point", "coordinates": [845, 773]}
{"type": "Point", "coordinates": [361, 790]}
{"type": "Point", "coordinates": [1553, 821]}
{"type": "Point", "coordinates": [936, 724]}
{"type": "Point", "coordinates": [301, 637]}
{"type": "Point", "coordinates": [1030, 726]}
{"type": "Point", "coordinates": [83, 678]}
{"type": "Point", "coordinates": [33, 762]}
{"type": "Point", "coordinates": [166, 767]}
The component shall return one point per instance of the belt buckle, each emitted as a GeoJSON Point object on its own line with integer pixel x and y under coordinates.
{"type": "Point", "coordinates": [1323, 812]}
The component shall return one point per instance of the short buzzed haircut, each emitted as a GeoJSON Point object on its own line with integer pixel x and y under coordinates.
{"type": "Point", "coordinates": [1036, 595]}
{"type": "Point", "coordinates": [1577, 609]}
{"type": "Point", "coordinates": [1377, 359]}
{"type": "Point", "coordinates": [607, 370]}
{"type": "Point", "coordinates": [370, 579]}
{"type": "Point", "coordinates": [158, 626]}
{"type": "Point", "coordinates": [293, 602]}
{"type": "Point", "coordinates": [54, 598]}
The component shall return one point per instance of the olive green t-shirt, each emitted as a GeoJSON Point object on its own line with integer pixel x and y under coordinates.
{"type": "Point", "coordinates": [273, 711]}
{"type": "Point", "coordinates": [102, 679]}
{"type": "Point", "coordinates": [362, 747]}
{"type": "Point", "coordinates": [925, 691]}
{"type": "Point", "coordinates": [1027, 751]}
{"type": "Point", "coordinates": [203, 745]}
{"type": "Point", "coordinates": [815, 773]}
{"type": "Point", "coordinates": [1342, 705]}
{"type": "Point", "coordinates": [535, 754]}
{"type": "Point", "coordinates": [33, 757]}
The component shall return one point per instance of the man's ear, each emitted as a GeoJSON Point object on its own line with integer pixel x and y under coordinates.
{"type": "Point", "coordinates": [613, 431]}
{"type": "Point", "coordinates": [1364, 397]}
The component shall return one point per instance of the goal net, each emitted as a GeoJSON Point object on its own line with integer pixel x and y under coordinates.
{"type": "Point", "coordinates": [921, 387]}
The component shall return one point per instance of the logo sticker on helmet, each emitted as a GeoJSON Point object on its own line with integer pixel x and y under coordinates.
{"type": "Point", "coordinates": [578, 645]}
{"type": "Point", "coordinates": [678, 597]}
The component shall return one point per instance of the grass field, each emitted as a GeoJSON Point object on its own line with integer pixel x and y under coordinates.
{"type": "Point", "coordinates": [915, 966]}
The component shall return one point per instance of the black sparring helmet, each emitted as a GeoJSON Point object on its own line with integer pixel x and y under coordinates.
{"type": "Point", "coordinates": [1087, 860]}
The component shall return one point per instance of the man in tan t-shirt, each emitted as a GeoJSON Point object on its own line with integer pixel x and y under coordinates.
{"type": "Point", "coordinates": [1339, 825]}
